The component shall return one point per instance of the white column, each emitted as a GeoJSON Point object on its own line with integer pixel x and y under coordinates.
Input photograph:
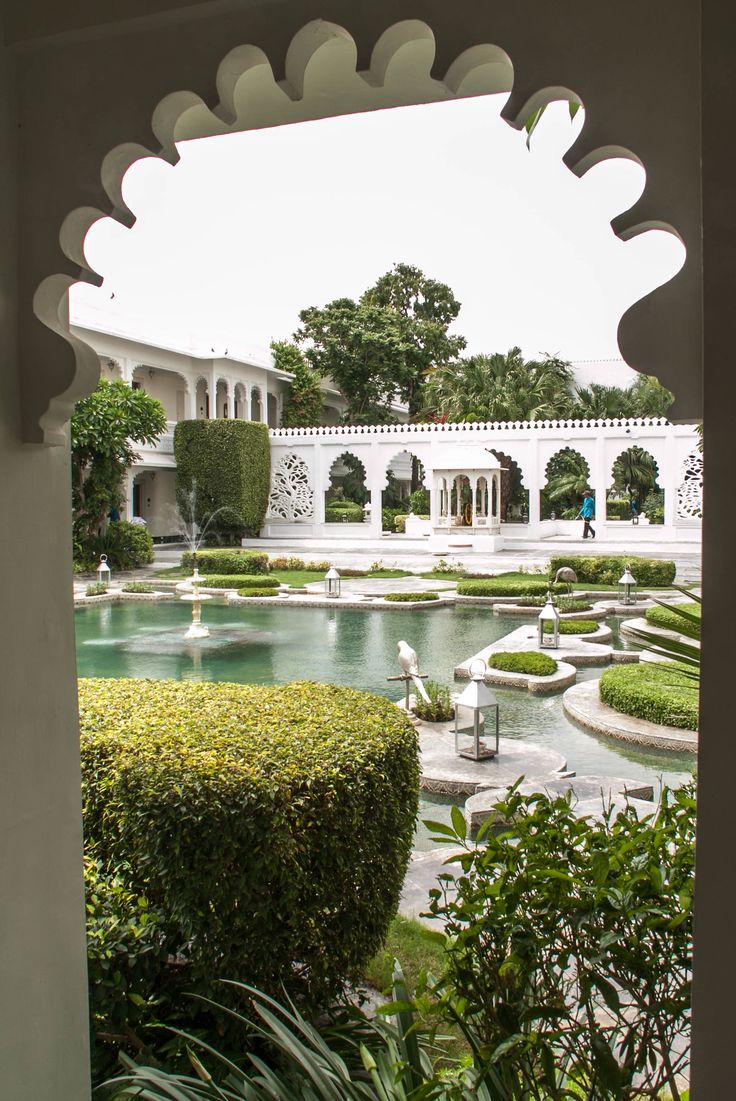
{"type": "Point", "coordinates": [473, 506]}
{"type": "Point", "coordinates": [668, 479]}
{"type": "Point", "coordinates": [248, 392]}
{"type": "Point", "coordinates": [318, 488]}
{"type": "Point", "coordinates": [599, 479]}
{"type": "Point", "coordinates": [375, 477]}
{"type": "Point", "coordinates": [534, 479]}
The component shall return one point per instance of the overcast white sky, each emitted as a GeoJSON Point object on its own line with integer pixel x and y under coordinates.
{"type": "Point", "coordinates": [248, 229]}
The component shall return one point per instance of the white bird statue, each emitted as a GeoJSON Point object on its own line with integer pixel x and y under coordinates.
{"type": "Point", "coordinates": [409, 662]}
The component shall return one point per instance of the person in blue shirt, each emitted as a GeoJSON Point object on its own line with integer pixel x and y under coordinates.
{"type": "Point", "coordinates": [588, 513]}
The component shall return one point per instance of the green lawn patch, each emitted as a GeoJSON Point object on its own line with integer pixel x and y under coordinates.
{"type": "Point", "coordinates": [662, 694]}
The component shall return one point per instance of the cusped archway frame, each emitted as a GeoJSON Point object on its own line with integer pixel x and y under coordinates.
{"type": "Point", "coordinates": [322, 78]}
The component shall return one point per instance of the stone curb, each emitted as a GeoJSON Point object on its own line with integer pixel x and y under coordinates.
{"type": "Point", "coordinates": [582, 704]}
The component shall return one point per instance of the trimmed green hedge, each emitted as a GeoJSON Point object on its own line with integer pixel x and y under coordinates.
{"type": "Point", "coordinates": [96, 588]}
{"type": "Point", "coordinates": [271, 826]}
{"type": "Point", "coordinates": [671, 621]}
{"type": "Point", "coordinates": [139, 587]}
{"type": "Point", "coordinates": [606, 569]}
{"type": "Point", "coordinates": [406, 598]}
{"type": "Point", "coordinates": [496, 586]}
{"type": "Point", "coordinates": [343, 512]}
{"type": "Point", "coordinates": [223, 464]}
{"type": "Point", "coordinates": [659, 693]}
{"type": "Point", "coordinates": [523, 661]}
{"type": "Point", "coordinates": [239, 581]}
{"type": "Point", "coordinates": [578, 626]}
{"type": "Point", "coordinates": [259, 592]}
{"type": "Point", "coordinates": [227, 561]}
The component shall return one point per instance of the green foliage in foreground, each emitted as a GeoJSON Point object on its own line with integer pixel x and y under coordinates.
{"type": "Point", "coordinates": [607, 569]}
{"type": "Point", "coordinates": [569, 947]}
{"type": "Point", "coordinates": [240, 581]}
{"type": "Point", "coordinates": [564, 603]}
{"type": "Point", "coordinates": [271, 827]}
{"type": "Point", "coordinates": [97, 588]}
{"type": "Point", "coordinates": [139, 587]}
{"type": "Point", "coordinates": [226, 560]}
{"type": "Point", "coordinates": [664, 694]}
{"type": "Point", "coordinates": [672, 620]}
{"type": "Point", "coordinates": [565, 964]}
{"type": "Point", "coordinates": [523, 661]}
{"type": "Point", "coordinates": [406, 598]}
{"type": "Point", "coordinates": [501, 586]}
{"type": "Point", "coordinates": [126, 545]}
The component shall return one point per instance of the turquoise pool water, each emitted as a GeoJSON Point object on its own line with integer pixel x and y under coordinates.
{"type": "Point", "coordinates": [274, 645]}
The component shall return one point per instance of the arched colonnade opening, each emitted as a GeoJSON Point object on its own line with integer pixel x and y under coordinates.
{"type": "Point", "coordinates": [347, 493]}
{"type": "Point", "coordinates": [634, 492]}
{"type": "Point", "coordinates": [514, 503]}
{"type": "Point", "coordinates": [567, 475]}
{"type": "Point", "coordinates": [405, 492]}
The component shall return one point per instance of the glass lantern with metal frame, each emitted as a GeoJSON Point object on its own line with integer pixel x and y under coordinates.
{"type": "Point", "coordinates": [627, 587]}
{"type": "Point", "coordinates": [333, 583]}
{"type": "Point", "coordinates": [472, 707]}
{"type": "Point", "coordinates": [104, 573]}
{"type": "Point", "coordinates": [549, 625]}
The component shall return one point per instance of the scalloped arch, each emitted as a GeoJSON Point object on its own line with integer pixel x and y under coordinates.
{"type": "Point", "coordinates": [321, 80]}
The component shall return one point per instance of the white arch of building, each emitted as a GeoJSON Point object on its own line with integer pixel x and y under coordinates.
{"type": "Point", "coordinates": [452, 453]}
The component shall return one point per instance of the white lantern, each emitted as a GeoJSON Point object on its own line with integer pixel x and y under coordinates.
{"type": "Point", "coordinates": [627, 587]}
{"type": "Point", "coordinates": [470, 717]}
{"type": "Point", "coordinates": [104, 572]}
{"type": "Point", "coordinates": [549, 625]}
{"type": "Point", "coordinates": [332, 583]}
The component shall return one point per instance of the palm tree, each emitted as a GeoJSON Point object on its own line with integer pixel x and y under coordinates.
{"type": "Point", "coordinates": [499, 387]}
{"type": "Point", "coordinates": [635, 473]}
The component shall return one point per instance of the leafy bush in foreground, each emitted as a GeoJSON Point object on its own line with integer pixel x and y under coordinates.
{"type": "Point", "coordinates": [406, 598]}
{"type": "Point", "coordinates": [662, 694]}
{"type": "Point", "coordinates": [226, 561]}
{"type": "Point", "coordinates": [578, 626]}
{"type": "Point", "coordinates": [523, 661]}
{"type": "Point", "coordinates": [271, 826]}
{"type": "Point", "coordinates": [605, 569]}
{"type": "Point", "coordinates": [96, 588]}
{"type": "Point", "coordinates": [139, 587]}
{"type": "Point", "coordinates": [569, 947]}
{"type": "Point", "coordinates": [564, 603]}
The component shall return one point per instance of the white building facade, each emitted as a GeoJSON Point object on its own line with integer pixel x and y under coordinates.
{"type": "Point", "coordinates": [454, 458]}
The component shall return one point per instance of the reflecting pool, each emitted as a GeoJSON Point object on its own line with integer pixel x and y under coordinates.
{"type": "Point", "coordinates": [273, 645]}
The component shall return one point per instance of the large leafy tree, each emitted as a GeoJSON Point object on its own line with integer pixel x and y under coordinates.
{"type": "Point", "coordinates": [426, 309]}
{"type": "Point", "coordinates": [303, 407]}
{"type": "Point", "coordinates": [364, 349]}
{"type": "Point", "coordinates": [635, 473]}
{"type": "Point", "coordinates": [104, 430]}
{"type": "Point", "coordinates": [499, 387]}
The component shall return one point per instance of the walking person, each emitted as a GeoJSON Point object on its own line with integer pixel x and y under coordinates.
{"type": "Point", "coordinates": [587, 512]}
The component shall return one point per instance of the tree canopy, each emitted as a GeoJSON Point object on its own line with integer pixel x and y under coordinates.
{"type": "Point", "coordinates": [104, 429]}
{"type": "Point", "coordinates": [426, 308]}
{"type": "Point", "coordinates": [363, 349]}
{"type": "Point", "coordinates": [303, 406]}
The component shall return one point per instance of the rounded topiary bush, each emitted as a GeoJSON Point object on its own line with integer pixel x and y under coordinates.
{"type": "Point", "coordinates": [661, 694]}
{"type": "Point", "coordinates": [126, 545]}
{"type": "Point", "coordinates": [605, 569]}
{"type": "Point", "coordinates": [271, 826]}
{"type": "Point", "coordinates": [407, 598]}
{"type": "Point", "coordinates": [671, 621]}
{"type": "Point", "coordinates": [523, 661]}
